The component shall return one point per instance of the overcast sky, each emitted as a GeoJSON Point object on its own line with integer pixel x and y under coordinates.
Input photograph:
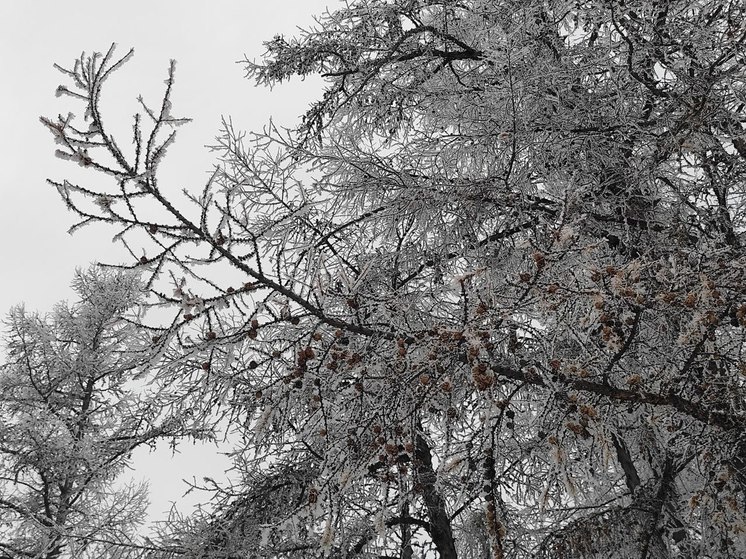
{"type": "Point", "coordinates": [37, 256]}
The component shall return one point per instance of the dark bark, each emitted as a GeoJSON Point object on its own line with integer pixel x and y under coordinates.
{"type": "Point", "coordinates": [653, 544]}
{"type": "Point", "coordinates": [406, 536]}
{"type": "Point", "coordinates": [440, 524]}
{"type": "Point", "coordinates": [631, 477]}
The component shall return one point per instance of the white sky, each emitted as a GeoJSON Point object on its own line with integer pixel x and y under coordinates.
{"type": "Point", "coordinates": [37, 256]}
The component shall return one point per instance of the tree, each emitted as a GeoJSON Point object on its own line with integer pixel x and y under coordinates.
{"type": "Point", "coordinates": [491, 289]}
{"type": "Point", "coordinates": [71, 413]}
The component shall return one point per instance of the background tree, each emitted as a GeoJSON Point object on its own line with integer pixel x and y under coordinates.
{"type": "Point", "coordinates": [71, 413]}
{"type": "Point", "coordinates": [491, 288]}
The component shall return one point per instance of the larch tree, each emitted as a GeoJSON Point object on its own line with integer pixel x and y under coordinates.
{"type": "Point", "coordinates": [488, 299]}
{"type": "Point", "coordinates": [71, 413]}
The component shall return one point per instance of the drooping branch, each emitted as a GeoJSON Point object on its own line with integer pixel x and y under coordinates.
{"type": "Point", "coordinates": [615, 394]}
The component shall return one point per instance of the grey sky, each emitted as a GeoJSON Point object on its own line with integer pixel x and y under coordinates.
{"type": "Point", "coordinates": [206, 38]}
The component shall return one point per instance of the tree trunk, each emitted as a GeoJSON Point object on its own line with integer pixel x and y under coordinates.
{"type": "Point", "coordinates": [440, 525]}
